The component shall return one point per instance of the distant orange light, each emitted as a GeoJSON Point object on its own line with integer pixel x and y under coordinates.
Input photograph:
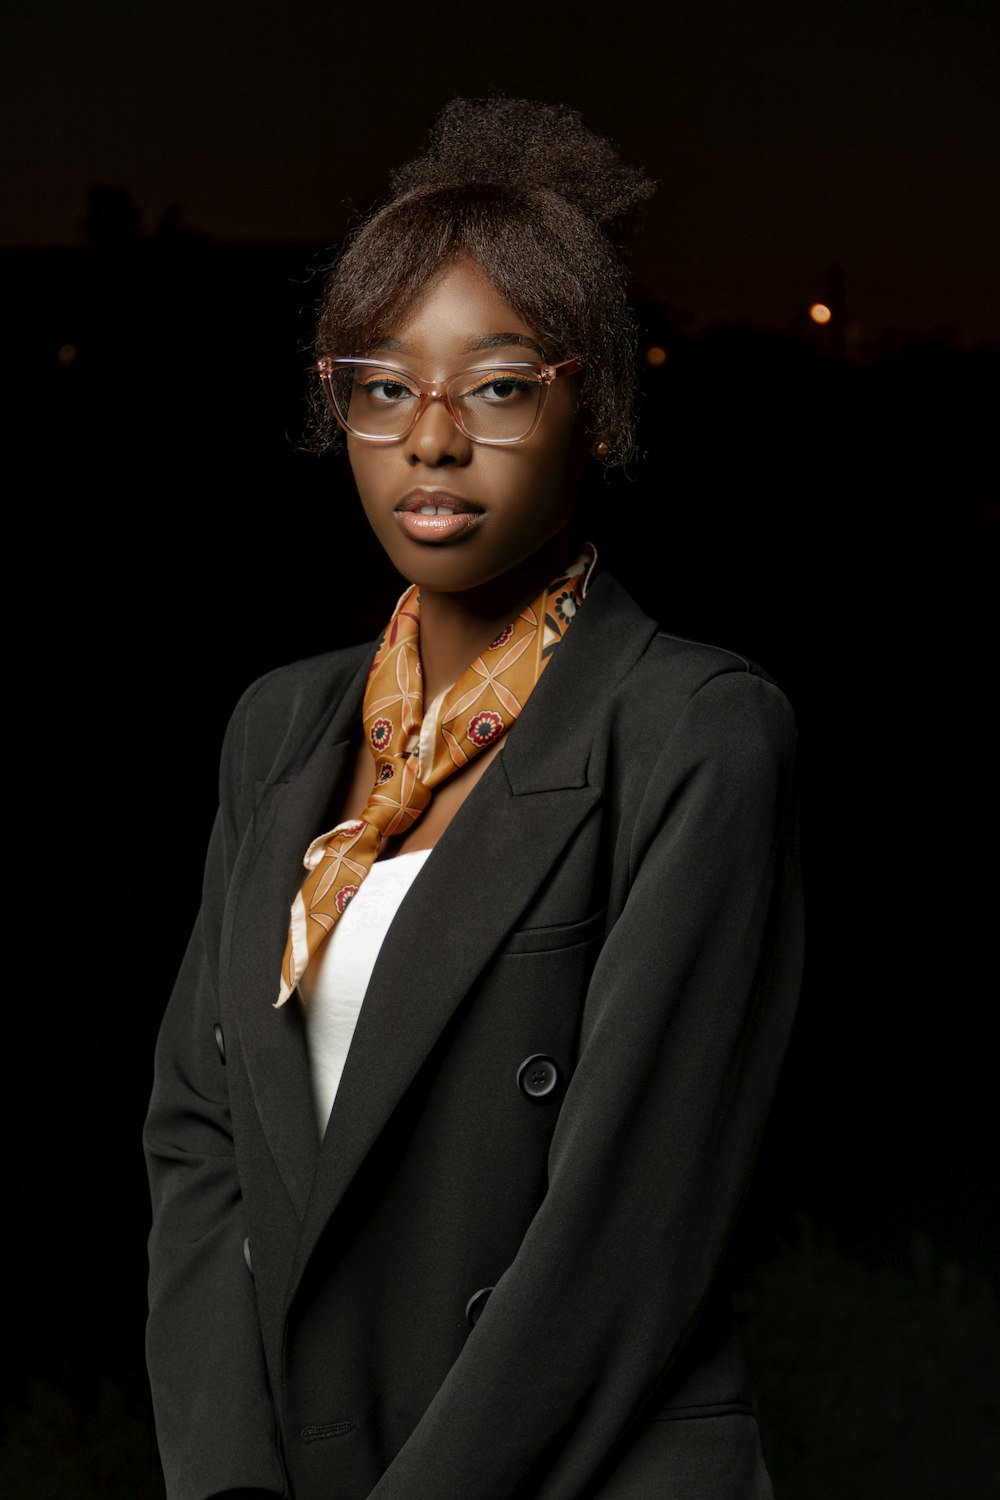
{"type": "Point", "coordinates": [820, 313]}
{"type": "Point", "coordinates": [656, 356]}
{"type": "Point", "coordinates": [67, 354]}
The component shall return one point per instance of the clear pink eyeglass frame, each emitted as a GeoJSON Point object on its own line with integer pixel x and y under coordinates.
{"type": "Point", "coordinates": [432, 390]}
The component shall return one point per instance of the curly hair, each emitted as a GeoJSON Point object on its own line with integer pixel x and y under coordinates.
{"type": "Point", "coordinates": [527, 192]}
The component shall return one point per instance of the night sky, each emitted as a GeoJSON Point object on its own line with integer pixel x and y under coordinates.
{"type": "Point", "coordinates": [785, 136]}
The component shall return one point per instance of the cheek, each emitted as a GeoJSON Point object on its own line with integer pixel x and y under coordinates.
{"type": "Point", "coordinates": [554, 471]}
{"type": "Point", "coordinates": [367, 471]}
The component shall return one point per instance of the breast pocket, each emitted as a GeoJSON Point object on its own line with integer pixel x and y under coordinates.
{"type": "Point", "coordinates": [534, 995]}
{"type": "Point", "coordinates": [553, 939]}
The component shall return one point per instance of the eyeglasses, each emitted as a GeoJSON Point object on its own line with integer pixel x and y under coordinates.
{"type": "Point", "coordinates": [499, 403]}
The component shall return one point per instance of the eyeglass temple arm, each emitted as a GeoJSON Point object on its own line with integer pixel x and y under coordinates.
{"type": "Point", "coordinates": [566, 367]}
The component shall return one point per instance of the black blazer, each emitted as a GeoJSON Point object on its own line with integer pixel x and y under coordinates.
{"type": "Point", "coordinates": [498, 1276]}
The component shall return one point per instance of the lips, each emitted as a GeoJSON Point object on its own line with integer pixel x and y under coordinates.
{"type": "Point", "coordinates": [435, 502]}
{"type": "Point", "coordinates": [437, 516]}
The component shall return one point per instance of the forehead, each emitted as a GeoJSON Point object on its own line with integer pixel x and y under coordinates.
{"type": "Point", "coordinates": [458, 314]}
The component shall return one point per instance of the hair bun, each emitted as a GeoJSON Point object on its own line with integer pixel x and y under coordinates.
{"type": "Point", "coordinates": [517, 143]}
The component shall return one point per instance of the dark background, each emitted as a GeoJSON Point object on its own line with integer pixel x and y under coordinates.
{"type": "Point", "coordinates": [820, 498]}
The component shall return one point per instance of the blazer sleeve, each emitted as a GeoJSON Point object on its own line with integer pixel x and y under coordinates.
{"type": "Point", "coordinates": [214, 1419]}
{"type": "Point", "coordinates": [685, 1025]}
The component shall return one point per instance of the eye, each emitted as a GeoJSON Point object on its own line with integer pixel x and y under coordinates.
{"type": "Point", "coordinates": [499, 388]}
{"type": "Point", "coordinates": [383, 388]}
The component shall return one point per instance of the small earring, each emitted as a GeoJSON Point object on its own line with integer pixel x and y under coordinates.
{"type": "Point", "coordinates": [601, 449]}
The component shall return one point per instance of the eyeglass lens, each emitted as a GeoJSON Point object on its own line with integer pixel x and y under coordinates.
{"type": "Point", "coordinates": [492, 403]}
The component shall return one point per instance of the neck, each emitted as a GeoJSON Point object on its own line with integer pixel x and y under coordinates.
{"type": "Point", "coordinates": [456, 628]}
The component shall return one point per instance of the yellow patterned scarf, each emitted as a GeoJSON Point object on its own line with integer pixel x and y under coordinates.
{"type": "Point", "coordinates": [412, 756]}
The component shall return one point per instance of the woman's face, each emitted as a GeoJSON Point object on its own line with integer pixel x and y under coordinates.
{"type": "Point", "coordinates": [514, 501]}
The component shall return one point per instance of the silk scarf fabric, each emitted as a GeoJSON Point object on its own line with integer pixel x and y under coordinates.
{"type": "Point", "coordinates": [413, 757]}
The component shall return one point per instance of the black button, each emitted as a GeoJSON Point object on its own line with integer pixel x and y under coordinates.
{"type": "Point", "coordinates": [247, 1256]}
{"type": "Point", "coordinates": [475, 1305]}
{"type": "Point", "coordinates": [538, 1076]}
{"type": "Point", "coordinates": [220, 1041]}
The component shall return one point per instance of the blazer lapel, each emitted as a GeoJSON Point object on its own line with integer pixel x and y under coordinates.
{"type": "Point", "coordinates": [422, 975]}
{"type": "Point", "coordinates": [497, 851]}
{"type": "Point", "coordinates": [288, 815]}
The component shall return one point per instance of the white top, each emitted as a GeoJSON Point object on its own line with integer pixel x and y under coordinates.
{"type": "Point", "coordinates": [333, 987]}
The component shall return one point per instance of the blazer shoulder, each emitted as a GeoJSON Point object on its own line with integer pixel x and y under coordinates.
{"type": "Point", "coordinates": [279, 714]}
{"type": "Point", "coordinates": [700, 659]}
{"type": "Point", "coordinates": [673, 671]}
{"type": "Point", "coordinates": [699, 732]}
{"type": "Point", "coordinates": [311, 683]}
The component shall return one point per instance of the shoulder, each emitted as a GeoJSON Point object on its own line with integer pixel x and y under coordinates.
{"type": "Point", "coordinates": [667, 679]}
{"type": "Point", "coordinates": [307, 686]}
{"type": "Point", "coordinates": [735, 729]}
{"type": "Point", "coordinates": [713, 686]}
{"type": "Point", "coordinates": [681, 707]}
{"type": "Point", "coordinates": [702, 748]}
{"type": "Point", "coordinates": [281, 712]}
{"type": "Point", "coordinates": [676, 652]}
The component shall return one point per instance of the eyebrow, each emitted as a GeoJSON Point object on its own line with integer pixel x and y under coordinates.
{"type": "Point", "coordinates": [502, 340]}
{"type": "Point", "coordinates": [474, 346]}
{"type": "Point", "coordinates": [390, 345]}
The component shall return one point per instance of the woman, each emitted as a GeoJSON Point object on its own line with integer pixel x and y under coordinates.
{"type": "Point", "coordinates": [551, 849]}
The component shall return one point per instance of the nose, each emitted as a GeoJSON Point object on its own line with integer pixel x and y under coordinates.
{"type": "Point", "coordinates": [437, 439]}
